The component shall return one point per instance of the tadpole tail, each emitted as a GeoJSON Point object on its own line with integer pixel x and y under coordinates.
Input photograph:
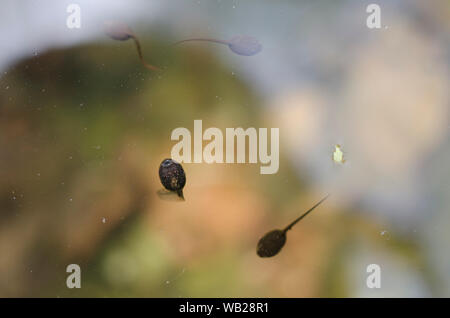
{"type": "Point", "coordinates": [141, 57]}
{"type": "Point", "coordinates": [305, 214]}
{"type": "Point", "coordinates": [203, 39]}
{"type": "Point", "coordinates": [180, 194]}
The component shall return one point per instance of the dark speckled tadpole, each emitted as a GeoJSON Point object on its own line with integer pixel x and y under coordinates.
{"type": "Point", "coordinates": [272, 243]}
{"type": "Point", "coordinates": [172, 176]}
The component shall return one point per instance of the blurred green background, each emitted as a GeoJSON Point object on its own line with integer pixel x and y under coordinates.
{"type": "Point", "coordinates": [84, 127]}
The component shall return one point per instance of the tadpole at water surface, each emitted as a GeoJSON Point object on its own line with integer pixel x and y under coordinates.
{"type": "Point", "coordinates": [240, 44]}
{"type": "Point", "coordinates": [172, 177]}
{"type": "Point", "coordinates": [272, 242]}
{"type": "Point", "coordinates": [121, 32]}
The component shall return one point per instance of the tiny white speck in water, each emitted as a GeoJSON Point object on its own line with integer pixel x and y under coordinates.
{"type": "Point", "coordinates": [7, 87]}
{"type": "Point", "coordinates": [385, 234]}
{"type": "Point", "coordinates": [38, 174]}
{"type": "Point", "coordinates": [70, 200]}
{"type": "Point", "coordinates": [103, 220]}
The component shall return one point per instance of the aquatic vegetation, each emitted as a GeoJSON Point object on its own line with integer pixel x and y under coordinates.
{"type": "Point", "coordinates": [121, 32]}
{"type": "Point", "coordinates": [272, 242]}
{"type": "Point", "coordinates": [240, 44]}
{"type": "Point", "coordinates": [172, 177]}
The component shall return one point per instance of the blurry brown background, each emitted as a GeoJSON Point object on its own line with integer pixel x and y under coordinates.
{"type": "Point", "coordinates": [84, 127]}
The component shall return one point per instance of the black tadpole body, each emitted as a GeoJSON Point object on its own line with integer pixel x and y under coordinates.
{"type": "Point", "coordinates": [172, 176]}
{"type": "Point", "coordinates": [272, 243]}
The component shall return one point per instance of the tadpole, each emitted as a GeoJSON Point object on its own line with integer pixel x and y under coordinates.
{"type": "Point", "coordinates": [240, 44]}
{"type": "Point", "coordinates": [121, 32]}
{"type": "Point", "coordinates": [172, 176]}
{"type": "Point", "coordinates": [272, 242]}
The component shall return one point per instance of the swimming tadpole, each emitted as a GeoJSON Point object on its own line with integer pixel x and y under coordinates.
{"type": "Point", "coordinates": [240, 44]}
{"type": "Point", "coordinates": [272, 242]}
{"type": "Point", "coordinates": [121, 32]}
{"type": "Point", "coordinates": [172, 177]}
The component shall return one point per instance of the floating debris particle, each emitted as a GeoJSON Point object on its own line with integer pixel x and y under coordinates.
{"type": "Point", "coordinates": [338, 155]}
